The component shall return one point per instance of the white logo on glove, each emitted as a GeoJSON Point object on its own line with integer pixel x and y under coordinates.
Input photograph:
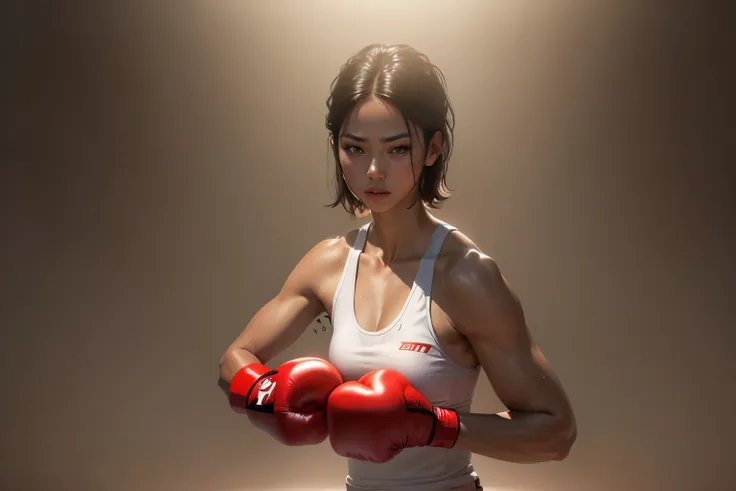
{"type": "Point", "coordinates": [264, 392]}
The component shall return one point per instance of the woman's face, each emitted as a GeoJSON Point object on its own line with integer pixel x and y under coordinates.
{"type": "Point", "coordinates": [376, 153]}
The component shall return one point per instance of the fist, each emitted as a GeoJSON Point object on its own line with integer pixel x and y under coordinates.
{"type": "Point", "coordinates": [288, 402]}
{"type": "Point", "coordinates": [381, 414]}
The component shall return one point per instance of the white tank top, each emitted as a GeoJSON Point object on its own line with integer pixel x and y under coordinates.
{"type": "Point", "coordinates": [409, 345]}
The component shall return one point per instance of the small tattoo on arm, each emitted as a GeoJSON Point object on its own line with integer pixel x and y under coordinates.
{"type": "Point", "coordinates": [324, 321]}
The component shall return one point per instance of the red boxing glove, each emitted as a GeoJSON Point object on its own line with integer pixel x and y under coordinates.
{"type": "Point", "coordinates": [381, 414]}
{"type": "Point", "coordinates": [288, 402]}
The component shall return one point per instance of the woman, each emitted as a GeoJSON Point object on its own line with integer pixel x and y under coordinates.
{"type": "Point", "coordinates": [417, 309]}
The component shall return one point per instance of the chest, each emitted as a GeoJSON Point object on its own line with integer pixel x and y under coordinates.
{"type": "Point", "coordinates": [385, 319]}
{"type": "Point", "coordinates": [382, 292]}
{"type": "Point", "coordinates": [410, 346]}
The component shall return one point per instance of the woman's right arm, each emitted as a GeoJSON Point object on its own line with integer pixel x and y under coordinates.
{"type": "Point", "coordinates": [283, 319]}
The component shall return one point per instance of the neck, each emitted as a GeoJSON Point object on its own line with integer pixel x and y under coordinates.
{"type": "Point", "coordinates": [400, 234]}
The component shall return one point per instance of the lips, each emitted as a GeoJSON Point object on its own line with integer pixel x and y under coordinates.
{"type": "Point", "coordinates": [377, 191]}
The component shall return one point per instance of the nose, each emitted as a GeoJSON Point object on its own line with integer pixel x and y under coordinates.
{"type": "Point", "coordinates": [375, 171]}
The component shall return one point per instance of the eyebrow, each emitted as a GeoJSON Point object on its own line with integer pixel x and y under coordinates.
{"type": "Point", "coordinates": [385, 139]}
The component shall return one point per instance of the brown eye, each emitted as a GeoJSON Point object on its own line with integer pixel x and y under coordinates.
{"type": "Point", "coordinates": [352, 149]}
{"type": "Point", "coordinates": [401, 149]}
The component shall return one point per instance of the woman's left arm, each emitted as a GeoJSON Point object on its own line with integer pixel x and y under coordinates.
{"type": "Point", "coordinates": [539, 425]}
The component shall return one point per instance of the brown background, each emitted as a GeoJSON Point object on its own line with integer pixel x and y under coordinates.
{"type": "Point", "coordinates": [164, 166]}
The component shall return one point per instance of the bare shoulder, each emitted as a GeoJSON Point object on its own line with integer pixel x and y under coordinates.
{"type": "Point", "coordinates": [330, 253]}
{"type": "Point", "coordinates": [320, 268]}
{"type": "Point", "coordinates": [472, 282]}
{"type": "Point", "coordinates": [322, 259]}
{"type": "Point", "coordinates": [465, 264]}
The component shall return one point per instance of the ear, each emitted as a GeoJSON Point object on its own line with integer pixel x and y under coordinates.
{"type": "Point", "coordinates": [332, 140]}
{"type": "Point", "coordinates": [434, 149]}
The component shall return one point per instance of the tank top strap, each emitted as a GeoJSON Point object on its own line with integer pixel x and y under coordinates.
{"type": "Point", "coordinates": [426, 265]}
{"type": "Point", "coordinates": [345, 293]}
{"type": "Point", "coordinates": [361, 238]}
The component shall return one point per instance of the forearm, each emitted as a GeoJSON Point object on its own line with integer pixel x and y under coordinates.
{"type": "Point", "coordinates": [231, 362]}
{"type": "Point", "coordinates": [516, 436]}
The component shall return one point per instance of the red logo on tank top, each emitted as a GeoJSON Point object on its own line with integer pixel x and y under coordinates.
{"type": "Point", "coordinates": [418, 347]}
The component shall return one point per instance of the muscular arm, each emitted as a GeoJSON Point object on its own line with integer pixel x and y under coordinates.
{"type": "Point", "coordinates": [282, 320]}
{"type": "Point", "coordinates": [540, 424]}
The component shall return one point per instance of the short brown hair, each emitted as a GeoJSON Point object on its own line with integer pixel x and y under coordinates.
{"type": "Point", "coordinates": [406, 78]}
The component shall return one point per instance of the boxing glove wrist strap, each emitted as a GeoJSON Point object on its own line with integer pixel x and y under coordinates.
{"type": "Point", "coordinates": [446, 429]}
{"type": "Point", "coordinates": [243, 383]}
